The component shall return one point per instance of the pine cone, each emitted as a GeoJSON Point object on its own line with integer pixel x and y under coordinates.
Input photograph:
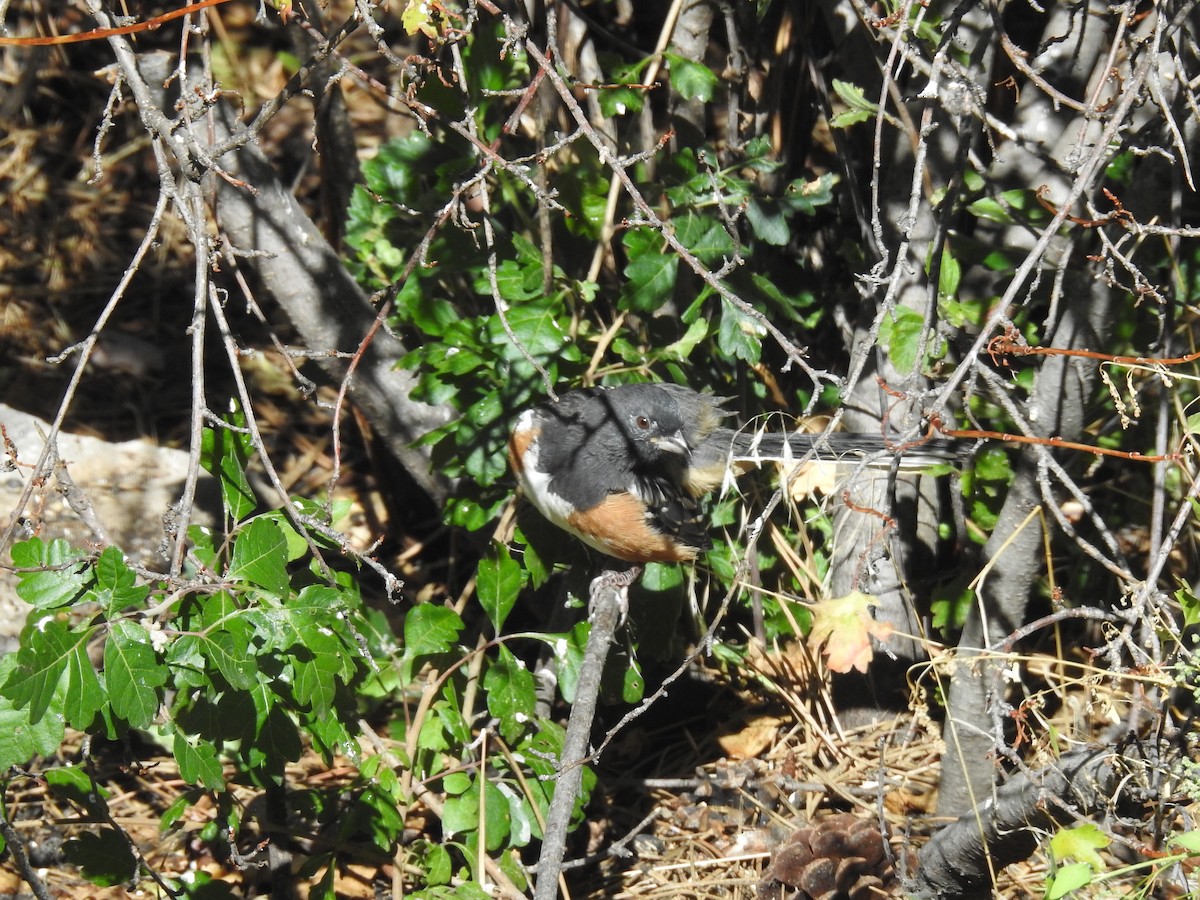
{"type": "Point", "coordinates": [840, 857]}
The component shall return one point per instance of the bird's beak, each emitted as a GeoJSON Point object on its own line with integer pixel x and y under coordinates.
{"type": "Point", "coordinates": [672, 443]}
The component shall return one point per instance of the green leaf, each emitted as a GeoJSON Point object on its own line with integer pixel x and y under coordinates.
{"type": "Point", "coordinates": [48, 649]}
{"type": "Point", "coordinates": [949, 275]}
{"type": "Point", "coordinates": [510, 863]}
{"type": "Point", "coordinates": [661, 577]}
{"type": "Point", "coordinates": [36, 554]}
{"type": "Point", "coordinates": [951, 612]}
{"type": "Point", "coordinates": [463, 814]}
{"type": "Point", "coordinates": [757, 152]}
{"type": "Point", "coordinates": [532, 562]}
{"type": "Point", "coordinates": [460, 814]}
{"type": "Point", "coordinates": [498, 582]}
{"type": "Point", "coordinates": [633, 683]}
{"type": "Point", "coordinates": [229, 651]}
{"type": "Point", "coordinates": [692, 80]}
{"type": "Point", "coordinates": [1187, 841]}
{"type": "Point", "coordinates": [900, 332]}
{"type": "Point", "coordinates": [541, 751]}
{"type": "Point", "coordinates": [681, 349]}
{"type": "Point", "coordinates": [433, 734]}
{"type": "Point", "coordinates": [740, 335]}
{"type": "Point", "coordinates": [312, 631]}
{"type": "Point", "coordinates": [297, 546]}
{"type": "Point", "coordinates": [320, 605]}
{"type": "Point", "coordinates": [1189, 605]}
{"type": "Point", "coordinates": [959, 314]}
{"type": "Point", "coordinates": [1080, 842]}
{"type": "Point", "coordinates": [568, 656]}
{"type": "Point", "coordinates": [198, 762]}
{"type": "Point", "coordinates": [63, 580]}
{"type": "Point", "coordinates": [430, 629]}
{"type": "Point", "coordinates": [28, 554]}
{"type": "Point", "coordinates": [806, 196]}
{"type": "Point", "coordinates": [517, 282]}
{"type": "Point", "coordinates": [218, 610]}
{"type": "Point", "coordinates": [592, 208]}
{"type": "Point", "coordinates": [276, 742]}
{"type": "Point", "coordinates": [329, 737]}
{"type": "Point", "coordinates": [396, 169]}
{"type": "Point", "coordinates": [705, 236]}
{"type": "Point", "coordinates": [317, 677]}
{"type": "Point", "coordinates": [419, 306]}
{"type": "Point", "coordinates": [200, 885]}
{"type": "Point", "coordinates": [769, 221]}
{"type": "Point", "coordinates": [224, 453]}
{"type": "Point", "coordinates": [260, 557]}
{"type": "Point", "coordinates": [990, 209]}
{"type": "Point", "coordinates": [75, 785]}
{"type": "Point", "coordinates": [623, 93]}
{"type": "Point", "coordinates": [619, 100]}
{"type": "Point", "coordinates": [85, 695]}
{"type": "Point", "coordinates": [521, 821]}
{"type": "Point", "coordinates": [650, 273]}
{"type": "Point", "coordinates": [178, 807]}
{"type": "Point", "coordinates": [511, 695]}
{"type": "Point", "coordinates": [21, 739]}
{"type": "Point", "coordinates": [992, 464]}
{"type": "Point", "coordinates": [791, 303]}
{"type": "Point", "coordinates": [204, 546]}
{"type": "Point", "coordinates": [536, 327]}
{"type": "Point", "coordinates": [1068, 879]}
{"type": "Point", "coordinates": [1008, 206]}
{"type": "Point", "coordinates": [435, 861]}
{"type": "Point", "coordinates": [103, 857]}
{"type": "Point", "coordinates": [859, 107]}
{"type": "Point", "coordinates": [133, 673]}
{"type": "Point", "coordinates": [116, 584]}
{"type": "Point", "coordinates": [50, 590]}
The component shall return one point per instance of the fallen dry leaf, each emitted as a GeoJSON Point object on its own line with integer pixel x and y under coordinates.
{"type": "Point", "coordinates": [844, 626]}
{"type": "Point", "coordinates": [753, 738]}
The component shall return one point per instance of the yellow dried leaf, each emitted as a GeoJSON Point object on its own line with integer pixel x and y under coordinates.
{"type": "Point", "coordinates": [845, 626]}
{"type": "Point", "coordinates": [753, 738]}
{"type": "Point", "coordinates": [809, 478]}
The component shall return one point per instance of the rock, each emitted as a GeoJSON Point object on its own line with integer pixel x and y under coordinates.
{"type": "Point", "coordinates": [129, 486]}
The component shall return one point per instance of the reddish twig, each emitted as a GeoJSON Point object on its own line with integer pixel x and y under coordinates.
{"type": "Point", "coordinates": [1010, 344]}
{"type": "Point", "coordinates": [889, 524]}
{"type": "Point", "coordinates": [1120, 216]}
{"type": "Point", "coordinates": [888, 521]}
{"type": "Point", "coordinates": [101, 33]}
{"type": "Point", "coordinates": [1006, 437]}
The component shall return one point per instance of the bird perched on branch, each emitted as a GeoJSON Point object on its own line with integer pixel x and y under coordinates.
{"type": "Point", "coordinates": [623, 468]}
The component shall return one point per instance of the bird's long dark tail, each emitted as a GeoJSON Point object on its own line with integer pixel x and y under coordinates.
{"type": "Point", "coordinates": [871, 449]}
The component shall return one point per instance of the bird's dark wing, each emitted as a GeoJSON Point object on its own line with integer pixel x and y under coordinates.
{"type": "Point", "coordinates": [671, 509]}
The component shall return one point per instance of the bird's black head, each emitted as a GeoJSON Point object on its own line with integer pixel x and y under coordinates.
{"type": "Point", "coordinates": [650, 421]}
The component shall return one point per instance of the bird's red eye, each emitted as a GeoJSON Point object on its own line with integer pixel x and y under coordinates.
{"type": "Point", "coordinates": [642, 422]}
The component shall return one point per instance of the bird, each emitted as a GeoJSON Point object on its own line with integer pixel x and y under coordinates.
{"type": "Point", "coordinates": [624, 468]}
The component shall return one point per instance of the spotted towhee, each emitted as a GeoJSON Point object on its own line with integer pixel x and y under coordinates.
{"type": "Point", "coordinates": [622, 468]}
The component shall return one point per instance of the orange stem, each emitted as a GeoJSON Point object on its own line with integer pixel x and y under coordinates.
{"type": "Point", "coordinates": [1131, 455]}
{"type": "Point", "coordinates": [101, 33]}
